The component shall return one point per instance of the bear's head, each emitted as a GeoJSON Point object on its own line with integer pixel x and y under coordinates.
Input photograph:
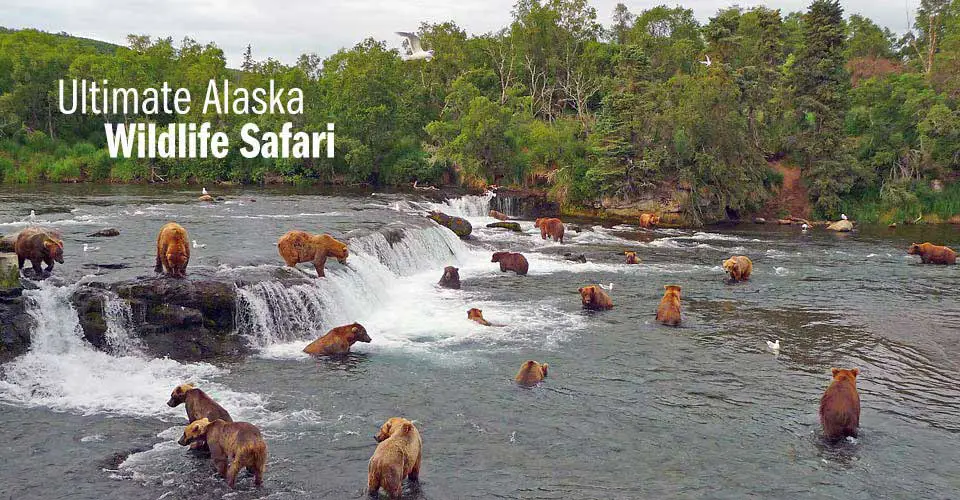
{"type": "Point", "coordinates": [359, 333]}
{"type": "Point", "coordinates": [54, 249]}
{"type": "Point", "coordinates": [654, 219]}
{"type": "Point", "coordinates": [475, 314]}
{"type": "Point", "coordinates": [842, 375]}
{"type": "Point", "coordinates": [451, 274]}
{"type": "Point", "coordinates": [630, 254]}
{"type": "Point", "coordinates": [339, 250]}
{"type": "Point", "coordinates": [673, 290]}
{"type": "Point", "coordinates": [587, 294]}
{"type": "Point", "coordinates": [394, 425]}
{"type": "Point", "coordinates": [195, 430]}
{"type": "Point", "coordinates": [177, 257]}
{"type": "Point", "coordinates": [537, 222]}
{"type": "Point", "coordinates": [179, 395]}
{"type": "Point", "coordinates": [533, 366]}
{"type": "Point", "coordinates": [499, 255]}
{"type": "Point", "coordinates": [730, 265]}
{"type": "Point", "coordinates": [915, 249]}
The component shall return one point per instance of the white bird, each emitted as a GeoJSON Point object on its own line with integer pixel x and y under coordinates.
{"type": "Point", "coordinates": [774, 346]}
{"type": "Point", "coordinates": [33, 215]}
{"type": "Point", "coordinates": [804, 227]}
{"type": "Point", "coordinates": [708, 62]}
{"type": "Point", "coordinates": [843, 216]}
{"type": "Point", "coordinates": [198, 245]}
{"type": "Point", "coordinates": [205, 191]}
{"type": "Point", "coordinates": [416, 50]}
{"type": "Point", "coordinates": [607, 287]}
{"type": "Point", "coordinates": [88, 248]}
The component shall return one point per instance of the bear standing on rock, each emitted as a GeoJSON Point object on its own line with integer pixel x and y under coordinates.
{"type": "Point", "coordinates": [173, 250]}
{"type": "Point", "coordinates": [550, 227]}
{"type": "Point", "coordinates": [840, 406]}
{"type": "Point", "coordinates": [338, 340]}
{"type": "Point", "coordinates": [511, 262]}
{"type": "Point", "coordinates": [38, 246]}
{"type": "Point", "coordinates": [933, 254]}
{"type": "Point", "coordinates": [296, 247]}
{"type": "Point", "coordinates": [233, 446]}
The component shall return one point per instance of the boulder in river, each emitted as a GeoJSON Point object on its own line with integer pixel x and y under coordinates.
{"type": "Point", "coordinates": [460, 227]}
{"type": "Point", "coordinates": [513, 226]}
{"type": "Point", "coordinates": [206, 197]}
{"type": "Point", "coordinates": [759, 220]}
{"type": "Point", "coordinates": [841, 225]}
{"type": "Point", "coordinates": [15, 323]}
{"type": "Point", "coordinates": [105, 233]}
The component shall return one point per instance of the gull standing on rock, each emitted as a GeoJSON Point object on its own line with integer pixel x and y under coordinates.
{"type": "Point", "coordinates": [416, 50]}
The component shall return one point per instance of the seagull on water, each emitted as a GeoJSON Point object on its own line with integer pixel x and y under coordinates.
{"type": "Point", "coordinates": [804, 227]}
{"type": "Point", "coordinates": [707, 62]}
{"type": "Point", "coordinates": [33, 215]}
{"type": "Point", "coordinates": [774, 346]}
{"type": "Point", "coordinates": [416, 50]}
{"type": "Point", "coordinates": [205, 191]}
{"type": "Point", "coordinates": [843, 216]}
{"type": "Point", "coordinates": [199, 245]}
{"type": "Point", "coordinates": [88, 248]}
{"type": "Point", "coordinates": [607, 287]}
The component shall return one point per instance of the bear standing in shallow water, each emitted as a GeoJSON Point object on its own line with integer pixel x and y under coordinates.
{"type": "Point", "coordinates": [296, 247]}
{"type": "Point", "coordinates": [595, 299]}
{"type": "Point", "coordinates": [531, 373]}
{"type": "Point", "coordinates": [840, 406]}
{"type": "Point", "coordinates": [173, 250]}
{"type": "Point", "coordinates": [739, 267]}
{"type": "Point", "coordinates": [550, 227]}
{"type": "Point", "coordinates": [398, 456]}
{"type": "Point", "coordinates": [511, 262]}
{"type": "Point", "coordinates": [38, 246]}
{"type": "Point", "coordinates": [198, 405]}
{"type": "Point", "coordinates": [933, 254]}
{"type": "Point", "coordinates": [233, 446]}
{"type": "Point", "coordinates": [668, 312]}
{"type": "Point", "coordinates": [338, 340]}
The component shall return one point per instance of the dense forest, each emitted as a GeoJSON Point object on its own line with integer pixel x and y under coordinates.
{"type": "Point", "coordinates": [594, 113]}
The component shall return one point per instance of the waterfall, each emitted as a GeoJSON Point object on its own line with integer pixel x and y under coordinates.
{"type": "Point", "coordinates": [509, 205]}
{"type": "Point", "coordinates": [467, 206]}
{"type": "Point", "coordinates": [119, 318]}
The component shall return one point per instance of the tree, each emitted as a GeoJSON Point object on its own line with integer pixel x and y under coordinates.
{"type": "Point", "coordinates": [622, 20]}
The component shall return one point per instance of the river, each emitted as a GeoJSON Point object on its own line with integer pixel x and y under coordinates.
{"type": "Point", "coordinates": [631, 409]}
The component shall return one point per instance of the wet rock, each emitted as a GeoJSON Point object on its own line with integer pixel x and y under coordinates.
{"type": "Point", "coordinates": [513, 226]}
{"type": "Point", "coordinates": [105, 233]}
{"type": "Point", "coordinates": [460, 227]}
{"type": "Point", "coordinates": [784, 222]}
{"type": "Point", "coordinates": [15, 323]}
{"type": "Point", "coordinates": [205, 197]}
{"type": "Point", "coordinates": [841, 225]}
{"type": "Point", "coordinates": [582, 259]}
{"type": "Point", "coordinates": [90, 303]}
{"type": "Point", "coordinates": [525, 204]}
{"type": "Point", "coordinates": [759, 220]}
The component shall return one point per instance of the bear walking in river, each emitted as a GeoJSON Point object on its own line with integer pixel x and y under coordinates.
{"type": "Point", "coordinates": [398, 456]}
{"type": "Point", "coordinates": [668, 312]}
{"type": "Point", "coordinates": [198, 405]}
{"type": "Point", "coordinates": [531, 373]}
{"type": "Point", "coordinates": [296, 247]}
{"type": "Point", "coordinates": [511, 262]}
{"type": "Point", "coordinates": [933, 254]}
{"type": "Point", "coordinates": [233, 446]}
{"type": "Point", "coordinates": [840, 406]}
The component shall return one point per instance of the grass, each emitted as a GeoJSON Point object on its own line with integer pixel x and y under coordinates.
{"type": "Point", "coordinates": [901, 203]}
{"type": "Point", "coordinates": [9, 275]}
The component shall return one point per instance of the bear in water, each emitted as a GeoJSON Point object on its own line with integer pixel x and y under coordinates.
{"type": "Point", "coordinates": [632, 257]}
{"type": "Point", "coordinates": [450, 278]}
{"type": "Point", "coordinates": [198, 406]}
{"type": "Point", "coordinates": [550, 227]}
{"type": "Point", "coordinates": [477, 315]}
{"type": "Point", "coordinates": [511, 262]}
{"type": "Point", "coordinates": [173, 250]}
{"type": "Point", "coordinates": [338, 340]}
{"type": "Point", "coordinates": [398, 456]}
{"type": "Point", "coordinates": [531, 373]}
{"type": "Point", "coordinates": [840, 406]}
{"type": "Point", "coordinates": [739, 267]}
{"type": "Point", "coordinates": [668, 312]}
{"type": "Point", "coordinates": [38, 246]}
{"type": "Point", "coordinates": [594, 298]}
{"type": "Point", "coordinates": [649, 220]}
{"type": "Point", "coordinates": [296, 247]}
{"type": "Point", "coordinates": [933, 254]}
{"type": "Point", "coordinates": [233, 446]}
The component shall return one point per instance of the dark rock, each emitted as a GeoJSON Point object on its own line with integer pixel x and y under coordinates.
{"type": "Point", "coordinates": [513, 226]}
{"type": "Point", "coordinates": [460, 227]}
{"type": "Point", "coordinates": [525, 204]}
{"type": "Point", "coordinates": [105, 233]}
{"type": "Point", "coordinates": [15, 324]}
{"type": "Point", "coordinates": [7, 242]}
{"type": "Point", "coordinates": [759, 220]}
{"type": "Point", "coordinates": [450, 278]}
{"type": "Point", "coordinates": [89, 303]}
{"type": "Point", "coordinates": [575, 258]}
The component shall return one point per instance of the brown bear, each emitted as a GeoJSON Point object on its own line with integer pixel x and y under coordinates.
{"type": "Point", "coordinates": [233, 446]}
{"type": "Point", "coordinates": [550, 227]}
{"type": "Point", "coordinates": [511, 262]}
{"type": "Point", "coordinates": [933, 254]}
{"type": "Point", "coordinates": [198, 405]}
{"type": "Point", "coordinates": [739, 267]}
{"type": "Point", "coordinates": [338, 340]}
{"type": "Point", "coordinates": [531, 373]}
{"type": "Point", "coordinates": [398, 456]}
{"type": "Point", "coordinates": [450, 278]}
{"type": "Point", "coordinates": [38, 246]}
{"type": "Point", "coordinates": [477, 315]}
{"type": "Point", "coordinates": [498, 215]}
{"type": "Point", "coordinates": [649, 220]}
{"type": "Point", "coordinates": [173, 250]}
{"type": "Point", "coordinates": [668, 312]}
{"type": "Point", "coordinates": [840, 406]}
{"type": "Point", "coordinates": [298, 246]}
{"type": "Point", "coordinates": [595, 299]}
{"type": "Point", "coordinates": [632, 257]}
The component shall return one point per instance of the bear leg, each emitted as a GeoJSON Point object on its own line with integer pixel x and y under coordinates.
{"type": "Point", "coordinates": [414, 474]}
{"type": "Point", "coordinates": [232, 473]}
{"type": "Point", "coordinates": [159, 267]}
{"type": "Point", "coordinates": [373, 484]}
{"type": "Point", "coordinates": [49, 262]}
{"type": "Point", "coordinates": [319, 263]}
{"type": "Point", "coordinates": [20, 261]}
{"type": "Point", "coordinates": [37, 270]}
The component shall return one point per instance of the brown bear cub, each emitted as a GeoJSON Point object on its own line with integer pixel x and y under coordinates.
{"type": "Point", "coordinates": [511, 262]}
{"type": "Point", "coordinates": [668, 312]}
{"type": "Point", "coordinates": [840, 406]}
{"type": "Point", "coordinates": [38, 246]}
{"type": "Point", "coordinates": [632, 257]}
{"type": "Point", "coordinates": [739, 267]}
{"type": "Point", "coordinates": [550, 227]}
{"type": "Point", "coordinates": [233, 446]}
{"type": "Point", "coordinates": [477, 315]}
{"type": "Point", "coordinates": [594, 298]}
{"type": "Point", "coordinates": [933, 254]}
{"type": "Point", "coordinates": [173, 251]}
{"type": "Point", "coordinates": [338, 340]}
{"type": "Point", "coordinates": [398, 456]}
{"type": "Point", "coordinates": [450, 278]}
{"type": "Point", "coordinates": [498, 215]}
{"type": "Point", "coordinates": [297, 247]}
{"type": "Point", "coordinates": [649, 220]}
{"type": "Point", "coordinates": [531, 373]}
{"type": "Point", "coordinates": [198, 405]}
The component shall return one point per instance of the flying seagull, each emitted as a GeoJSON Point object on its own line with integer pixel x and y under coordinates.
{"type": "Point", "coordinates": [199, 245]}
{"type": "Point", "coordinates": [708, 62]}
{"type": "Point", "coordinates": [416, 51]}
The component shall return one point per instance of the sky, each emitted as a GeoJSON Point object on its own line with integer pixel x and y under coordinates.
{"type": "Point", "coordinates": [284, 29]}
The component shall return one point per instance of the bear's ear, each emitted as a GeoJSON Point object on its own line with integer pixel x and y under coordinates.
{"type": "Point", "coordinates": [354, 329]}
{"type": "Point", "coordinates": [834, 371]}
{"type": "Point", "coordinates": [544, 367]}
{"type": "Point", "coordinates": [855, 372]}
{"type": "Point", "coordinates": [580, 289]}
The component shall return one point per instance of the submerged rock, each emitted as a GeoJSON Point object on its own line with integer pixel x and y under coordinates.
{"type": "Point", "coordinates": [105, 233]}
{"type": "Point", "coordinates": [513, 226]}
{"type": "Point", "coordinates": [841, 225]}
{"type": "Point", "coordinates": [759, 220]}
{"type": "Point", "coordinates": [460, 227]}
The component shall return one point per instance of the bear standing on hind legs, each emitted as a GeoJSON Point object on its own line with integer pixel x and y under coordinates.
{"type": "Point", "coordinates": [173, 250]}
{"type": "Point", "coordinates": [297, 247]}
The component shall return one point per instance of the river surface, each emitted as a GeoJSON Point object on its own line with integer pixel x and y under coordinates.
{"type": "Point", "coordinates": [630, 409]}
